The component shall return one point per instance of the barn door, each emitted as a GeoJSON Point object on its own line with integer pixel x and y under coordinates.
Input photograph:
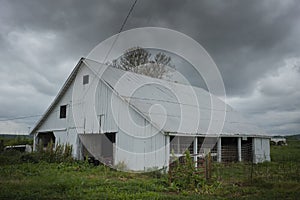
{"type": "Point", "coordinates": [99, 146]}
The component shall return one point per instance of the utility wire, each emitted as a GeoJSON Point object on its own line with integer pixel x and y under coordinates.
{"type": "Point", "coordinates": [112, 45]}
{"type": "Point", "coordinates": [121, 29]}
{"type": "Point", "coordinates": [115, 40]}
{"type": "Point", "coordinates": [21, 117]}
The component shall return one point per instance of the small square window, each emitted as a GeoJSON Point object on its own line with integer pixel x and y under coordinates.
{"type": "Point", "coordinates": [85, 79]}
{"type": "Point", "coordinates": [63, 111]}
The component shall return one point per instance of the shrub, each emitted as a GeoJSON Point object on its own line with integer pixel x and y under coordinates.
{"type": "Point", "coordinates": [61, 153]}
{"type": "Point", "coordinates": [185, 176]}
{"type": "Point", "coordinates": [182, 175]}
{"type": "Point", "coordinates": [121, 166]}
{"type": "Point", "coordinates": [18, 140]}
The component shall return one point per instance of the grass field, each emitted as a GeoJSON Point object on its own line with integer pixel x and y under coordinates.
{"type": "Point", "coordinates": [279, 179]}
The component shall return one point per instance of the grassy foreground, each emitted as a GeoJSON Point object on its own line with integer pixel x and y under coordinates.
{"type": "Point", "coordinates": [279, 179]}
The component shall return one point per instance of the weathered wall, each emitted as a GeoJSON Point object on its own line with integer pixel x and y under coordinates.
{"type": "Point", "coordinates": [261, 150]}
{"type": "Point", "coordinates": [139, 145]}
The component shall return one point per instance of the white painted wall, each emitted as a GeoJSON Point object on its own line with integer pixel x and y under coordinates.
{"type": "Point", "coordinates": [53, 122]}
{"type": "Point", "coordinates": [63, 129]}
{"type": "Point", "coordinates": [138, 147]}
{"type": "Point", "coordinates": [261, 150]}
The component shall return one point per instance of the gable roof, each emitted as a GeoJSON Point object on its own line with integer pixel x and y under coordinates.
{"type": "Point", "coordinates": [61, 92]}
{"type": "Point", "coordinates": [178, 114]}
{"type": "Point", "coordinates": [153, 92]}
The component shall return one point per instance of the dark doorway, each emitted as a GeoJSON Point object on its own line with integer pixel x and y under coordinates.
{"type": "Point", "coordinates": [45, 138]}
{"type": "Point", "coordinates": [247, 149]}
{"type": "Point", "coordinates": [229, 149]}
{"type": "Point", "coordinates": [100, 147]}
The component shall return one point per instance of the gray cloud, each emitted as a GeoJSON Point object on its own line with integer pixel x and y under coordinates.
{"type": "Point", "coordinates": [41, 41]}
{"type": "Point", "coordinates": [274, 103]}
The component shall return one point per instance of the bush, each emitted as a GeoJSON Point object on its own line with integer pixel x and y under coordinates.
{"type": "Point", "coordinates": [10, 157]}
{"type": "Point", "coordinates": [61, 153]}
{"type": "Point", "coordinates": [18, 140]}
{"type": "Point", "coordinates": [183, 176]}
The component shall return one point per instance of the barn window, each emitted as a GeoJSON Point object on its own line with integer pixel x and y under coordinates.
{"type": "Point", "coordinates": [63, 111]}
{"type": "Point", "coordinates": [85, 79]}
{"type": "Point", "coordinates": [111, 137]}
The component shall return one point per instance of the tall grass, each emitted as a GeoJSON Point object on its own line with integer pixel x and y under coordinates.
{"type": "Point", "coordinates": [59, 153]}
{"type": "Point", "coordinates": [53, 177]}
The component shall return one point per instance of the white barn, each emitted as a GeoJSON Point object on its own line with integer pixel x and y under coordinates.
{"type": "Point", "coordinates": [119, 118]}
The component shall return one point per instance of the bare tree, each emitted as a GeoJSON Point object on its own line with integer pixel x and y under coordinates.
{"type": "Point", "coordinates": [132, 58]}
{"type": "Point", "coordinates": [139, 60]}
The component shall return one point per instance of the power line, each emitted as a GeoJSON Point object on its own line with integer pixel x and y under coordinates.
{"type": "Point", "coordinates": [121, 29]}
{"type": "Point", "coordinates": [106, 56]}
{"type": "Point", "coordinates": [131, 9]}
{"type": "Point", "coordinates": [112, 45]}
{"type": "Point", "coordinates": [29, 116]}
{"type": "Point", "coordinates": [21, 117]}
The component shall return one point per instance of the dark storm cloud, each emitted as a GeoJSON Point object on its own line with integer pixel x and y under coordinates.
{"type": "Point", "coordinates": [41, 41]}
{"type": "Point", "coordinates": [254, 35]}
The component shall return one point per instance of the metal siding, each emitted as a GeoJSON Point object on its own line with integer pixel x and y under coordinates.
{"type": "Point", "coordinates": [142, 154]}
{"type": "Point", "coordinates": [134, 141]}
{"type": "Point", "coordinates": [83, 102]}
{"type": "Point", "coordinates": [261, 148]}
{"type": "Point", "coordinates": [187, 113]}
{"type": "Point", "coordinates": [53, 121]}
{"type": "Point", "coordinates": [63, 129]}
{"type": "Point", "coordinates": [139, 145]}
{"type": "Point", "coordinates": [266, 149]}
{"type": "Point", "coordinates": [103, 108]}
{"type": "Point", "coordinates": [140, 148]}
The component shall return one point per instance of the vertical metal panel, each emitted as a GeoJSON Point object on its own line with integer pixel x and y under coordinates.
{"type": "Point", "coordinates": [219, 150]}
{"type": "Point", "coordinates": [239, 147]}
{"type": "Point", "coordinates": [53, 121]}
{"type": "Point", "coordinates": [266, 149]}
{"type": "Point", "coordinates": [261, 147]}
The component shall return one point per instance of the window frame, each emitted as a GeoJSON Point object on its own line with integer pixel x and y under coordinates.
{"type": "Point", "coordinates": [63, 112]}
{"type": "Point", "coordinates": [85, 79]}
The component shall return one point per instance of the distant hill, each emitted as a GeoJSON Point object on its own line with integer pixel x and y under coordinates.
{"type": "Point", "coordinates": [293, 137]}
{"type": "Point", "coordinates": [10, 136]}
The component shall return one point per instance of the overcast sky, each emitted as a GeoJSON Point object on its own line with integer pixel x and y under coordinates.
{"type": "Point", "coordinates": [255, 44]}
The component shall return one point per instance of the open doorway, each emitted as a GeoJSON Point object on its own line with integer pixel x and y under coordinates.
{"type": "Point", "coordinates": [45, 138]}
{"type": "Point", "coordinates": [247, 149]}
{"type": "Point", "coordinates": [229, 149]}
{"type": "Point", "coordinates": [99, 147]}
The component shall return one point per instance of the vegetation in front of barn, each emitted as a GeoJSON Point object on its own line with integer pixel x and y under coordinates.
{"type": "Point", "coordinates": [61, 153]}
{"type": "Point", "coordinates": [50, 179]}
{"type": "Point", "coordinates": [17, 140]}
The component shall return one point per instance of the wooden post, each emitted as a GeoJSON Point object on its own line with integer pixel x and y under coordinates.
{"type": "Point", "coordinates": [219, 150]}
{"type": "Point", "coordinates": [195, 151]}
{"type": "Point", "coordinates": [207, 163]}
{"type": "Point", "coordinates": [178, 145]}
{"type": "Point", "coordinates": [35, 141]}
{"type": "Point", "coordinates": [239, 146]}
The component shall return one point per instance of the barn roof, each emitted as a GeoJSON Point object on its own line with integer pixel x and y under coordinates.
{"type": "Point", "coordinates": [171, 106]}
{"type": "Point", "coordinates": [60, 94]}
{"type": "Point", "coordinates": [174, 107]}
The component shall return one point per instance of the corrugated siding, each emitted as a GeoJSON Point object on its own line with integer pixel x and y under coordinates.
{"type": "Point", "coordinates": [53, 122]}
{"type": "Point", "coordinates": [261, 149]}
{"type": "Point", "coordinates": [139, 145]}
{"type": "Point", "coordinates": [186, 109]}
